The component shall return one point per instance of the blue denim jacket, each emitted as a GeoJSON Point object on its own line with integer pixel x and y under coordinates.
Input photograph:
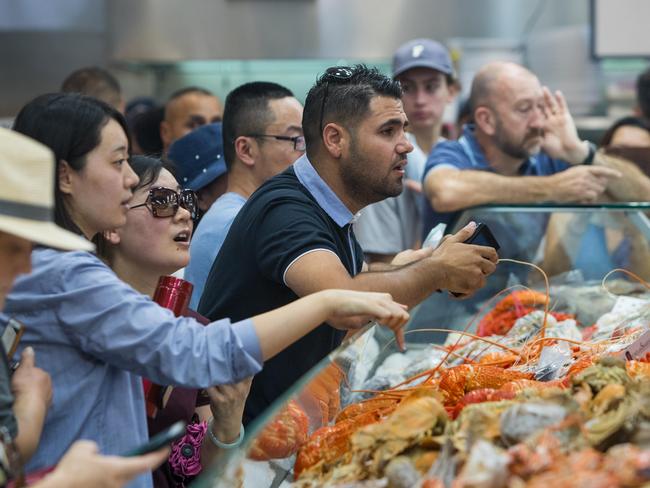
{"type": "Point", "coordinates": [96, 336]}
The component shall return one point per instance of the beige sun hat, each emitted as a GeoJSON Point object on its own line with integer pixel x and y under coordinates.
{"type": "Point", "coordinates": [27, 194]}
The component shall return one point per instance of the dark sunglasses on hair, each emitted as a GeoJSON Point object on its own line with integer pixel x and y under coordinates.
{"type": "Point", "coordinates": [336, 74]}
{"type": "Point", "coordinates": [164, 202]}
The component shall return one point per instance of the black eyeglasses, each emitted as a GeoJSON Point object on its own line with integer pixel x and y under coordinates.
{"type": "Point", "coordinates": [335, 74]}
{"type": "Point", "coordinates": [164, 202]}
{"type": "Point", "coordinates": [298, 141]}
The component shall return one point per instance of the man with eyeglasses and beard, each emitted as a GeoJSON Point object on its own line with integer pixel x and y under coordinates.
{"type": "Point", "coordinates": [523, 147]}
{"type": "Point", "coordinates": [294, 236]}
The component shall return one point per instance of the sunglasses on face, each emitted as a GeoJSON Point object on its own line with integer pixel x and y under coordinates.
{"type": "Point", "coordinates": [164, 202]}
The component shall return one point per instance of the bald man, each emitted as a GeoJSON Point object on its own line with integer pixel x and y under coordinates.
{"type": "Point", "coordinates": [186, 110]}
{"type": "Point", "coordinates": [523, 147]}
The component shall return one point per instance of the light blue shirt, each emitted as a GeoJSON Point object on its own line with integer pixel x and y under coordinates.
{"type": "Point", "coordinates": [328, 201]}
{"type": "Point", "coordinates": [96, 336]}
{"type": "Point", "coordinates": [208, 239]}
{"type": "Point", "coordinates": [322, 193]}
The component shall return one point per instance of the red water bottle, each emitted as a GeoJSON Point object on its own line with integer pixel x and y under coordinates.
{"type": "Point", "coordinates": [174, 294]}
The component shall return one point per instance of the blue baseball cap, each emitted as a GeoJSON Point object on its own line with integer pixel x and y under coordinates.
{"type": "Point", "coordinates": [198, 157]}
{"type": "Point", "coordinates": [422, 53]}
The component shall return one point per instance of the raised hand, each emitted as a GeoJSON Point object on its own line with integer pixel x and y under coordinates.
{"type": "Point", "coordinates": [561, 139]}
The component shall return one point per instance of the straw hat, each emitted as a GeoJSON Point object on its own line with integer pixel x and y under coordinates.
{"type": "Point", "coordinates": [27, 193]}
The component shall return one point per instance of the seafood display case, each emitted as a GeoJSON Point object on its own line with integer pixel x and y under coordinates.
{"type": "Point", "coordinates": [541, 377]}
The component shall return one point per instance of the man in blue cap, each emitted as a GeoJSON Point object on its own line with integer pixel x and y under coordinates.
{"type": "Point", "coordinates": [199, 163]}
{"type": "Point", "coordinates": [424, 69]}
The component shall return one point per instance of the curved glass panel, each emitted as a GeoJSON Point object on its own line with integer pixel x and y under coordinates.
{"type": "Point", "coordinates": [576, 246]}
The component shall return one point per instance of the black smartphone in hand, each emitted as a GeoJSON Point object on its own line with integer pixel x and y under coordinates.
{"type": "Point", "coordinates": [483, 236]}
{"type": "Point", "coordinates": [162, 439]}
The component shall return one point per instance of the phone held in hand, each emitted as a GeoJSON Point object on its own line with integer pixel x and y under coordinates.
{"type": "Point", "coordinates": [483, 236]}
{"type": "Point", "coordinates": [164, 438]}
{"type": "Point", "coordinates": [10, 340]}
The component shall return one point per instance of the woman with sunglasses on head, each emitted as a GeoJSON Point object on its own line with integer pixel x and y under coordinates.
{"type": "Point", "coordinates": [94, 334]}
{"type": "Point", "coordinates": [154, 242]}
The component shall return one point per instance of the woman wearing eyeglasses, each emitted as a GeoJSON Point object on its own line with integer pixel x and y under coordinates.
{"type": "Point", "coordinates": [154, 242]}
{"type": "Point", "coordinates": [96, 335]}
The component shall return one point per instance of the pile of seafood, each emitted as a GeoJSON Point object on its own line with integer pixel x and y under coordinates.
{"type": "Point", "coordinates": [535, 396]}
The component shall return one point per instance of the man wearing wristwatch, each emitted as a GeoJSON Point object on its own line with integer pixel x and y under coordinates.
{"type": "Point", "coordinates": [522, 147]}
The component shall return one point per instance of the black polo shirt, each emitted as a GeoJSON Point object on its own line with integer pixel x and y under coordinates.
{"type": "Point", "coordinates": [281, 221]}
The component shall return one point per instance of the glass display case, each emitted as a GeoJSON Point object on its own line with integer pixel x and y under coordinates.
{"type": "Point", "coordinates": [370, 415]}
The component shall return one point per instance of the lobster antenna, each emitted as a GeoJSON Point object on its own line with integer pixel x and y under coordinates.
{"type": "Point", "coordinates": [624, 271]}
{"type": "Point", "coordinates": [542, 331]}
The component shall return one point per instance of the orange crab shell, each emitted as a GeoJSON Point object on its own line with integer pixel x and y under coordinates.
{"type": "Point", "coordinates": [329, 443]}
{"type": "Point", "coordinates": [515, 305]}
{"type": "Point", "coordinates": [479, 396]}
{"type": "Point", "coordinates": [637, 369]}
{"type": "Point", "coordinates": [457, 381]}
{"type": "Point", "coordinates": [282, 437]}
{"type": "Point", "coordinates": [580, 365]}
{"type": "Point", "coordinates": [383, 404]}
{"type": "Point", "coordinates": [321, 398]}
{"type": "Point", "coordinates": [518, 386]}
{"type": "Point", "coordinates": [501, 359]}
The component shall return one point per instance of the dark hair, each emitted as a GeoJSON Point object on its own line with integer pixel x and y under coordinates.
{"type": "Point", "coordinates": [643, 93]}
{"type": "Point", "coordinates": [94, 82]}
{"type": "Point", "coordinates": [70, 125]}
{"type": "Point", "coordinates": [147, 168]}
{"type": "Point", "coordinates": [247, 112]}
{"type": "Point", "coordinates": [145, 128]}
{"type": "Point", "coordinates": [625, 121]}
{"type": "Point", "coordinates": [465, 114]}
{"type": "Point", "coordinates": [348, 101]}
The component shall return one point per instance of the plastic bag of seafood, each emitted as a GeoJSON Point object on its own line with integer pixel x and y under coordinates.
{"type": "Point", "coordinates": [628, 313]}
{"type": "Point", "coordinates": [553, 362]}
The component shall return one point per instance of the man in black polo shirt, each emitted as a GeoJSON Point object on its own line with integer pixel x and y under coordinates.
{"type": "Point", "coordinates": [294, 236]}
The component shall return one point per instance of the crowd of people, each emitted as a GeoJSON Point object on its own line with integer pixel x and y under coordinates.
{"type": "Point", "coordinates": [295, 224]}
